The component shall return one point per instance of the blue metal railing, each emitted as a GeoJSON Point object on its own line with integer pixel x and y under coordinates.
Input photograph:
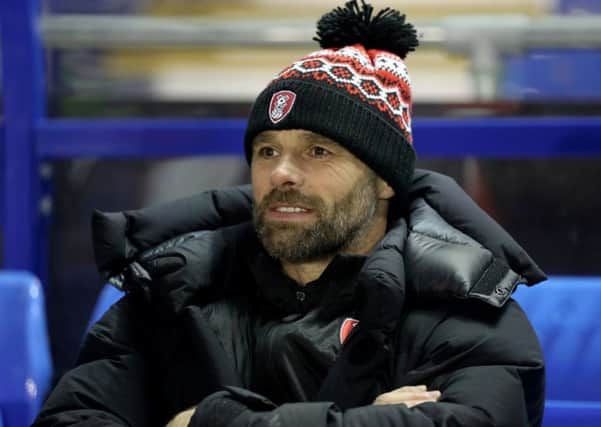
{"type": "Point", "coordinates": [483, 137]}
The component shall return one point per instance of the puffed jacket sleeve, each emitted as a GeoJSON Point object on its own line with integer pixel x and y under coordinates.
{"type": "Point", "coordinates": [490, 372]}
{"type": "Point", "coordinates": [110, 386]}
{"type": "Point", "coordinates": [152, 354]}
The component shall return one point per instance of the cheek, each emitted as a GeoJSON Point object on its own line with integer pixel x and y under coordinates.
{"type": "Point", "coordinates": [259, 179]}
{"type": "Point", "coordinates": [336, 180]}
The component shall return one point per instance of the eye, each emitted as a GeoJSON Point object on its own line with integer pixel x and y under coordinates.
{"type": "Point", "coordinates": [319, 151]}
{"type": "Point", "coordinates": [266, 152]}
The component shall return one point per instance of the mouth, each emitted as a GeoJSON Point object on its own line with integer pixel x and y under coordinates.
{"type": "Point", "coordinates": [284, 212]}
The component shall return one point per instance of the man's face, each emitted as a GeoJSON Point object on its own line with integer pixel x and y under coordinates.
{"type": "Point", "coordinates": [312, 197]}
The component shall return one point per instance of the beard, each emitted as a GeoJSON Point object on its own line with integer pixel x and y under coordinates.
{"type": "Point", "coordinates": [338, 226]}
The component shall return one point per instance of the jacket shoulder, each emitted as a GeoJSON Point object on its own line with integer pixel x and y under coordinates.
{"type": "Point", "coordinates": [468, 333]}
{"type": "Point", "coordinates": [455, 206]}
{"type": "Point", "coordinates": [118, 237]}
{"type": "Point", "coordinates": [443, 262]}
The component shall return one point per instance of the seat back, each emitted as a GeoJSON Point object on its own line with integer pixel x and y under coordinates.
{"type": "Point", "coordinates": [25, 361]}
{"type": "Point", "coordinates": [565, 313]}
{"type": "Point", "coordinates": [552, 74]}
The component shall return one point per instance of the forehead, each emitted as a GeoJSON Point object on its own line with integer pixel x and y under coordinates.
{"type": "Point", "coordinates": [293, 136]}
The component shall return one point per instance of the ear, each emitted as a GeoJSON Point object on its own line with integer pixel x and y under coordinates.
{"type": "Point", "coordinates": [385, 191]}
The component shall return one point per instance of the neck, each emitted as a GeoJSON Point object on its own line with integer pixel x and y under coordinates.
{"type": "Point", "coordinates": [305, 272]}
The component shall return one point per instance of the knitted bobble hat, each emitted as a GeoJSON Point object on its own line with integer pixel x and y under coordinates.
{"type": "Point", "coordinates": [355, 91]}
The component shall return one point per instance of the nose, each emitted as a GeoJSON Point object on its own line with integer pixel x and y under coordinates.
{"type": "Point", "coordinates": [287, 173]}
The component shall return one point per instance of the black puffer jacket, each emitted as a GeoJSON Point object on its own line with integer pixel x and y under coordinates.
{"type": "Point", "coordinates": [433, 301]}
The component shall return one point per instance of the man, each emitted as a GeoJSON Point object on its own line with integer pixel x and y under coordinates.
{"type": "Point", "coordinates": [362, 293]}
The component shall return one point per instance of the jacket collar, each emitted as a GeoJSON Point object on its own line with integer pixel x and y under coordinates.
{"type": "Point", "coordinates": [332, 292]}
{"type": "Point", "coordinates": [450, 248]}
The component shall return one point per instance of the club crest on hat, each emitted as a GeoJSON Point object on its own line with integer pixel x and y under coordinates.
{"type": "Point", "coordinates": [281, 105]}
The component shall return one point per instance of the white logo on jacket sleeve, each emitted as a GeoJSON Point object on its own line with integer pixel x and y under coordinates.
{"type": "Point", "coordinates": [347, 326]}
{"type": "Point", "coordinates": [281, 105]}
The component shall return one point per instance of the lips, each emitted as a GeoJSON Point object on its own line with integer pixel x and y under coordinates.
{"type": "Point", "coordinates": [286, 212]}
{"type": "Point", "coordinates": [289, 206]}
{"type": "Point", "coordinates": [290, 209]}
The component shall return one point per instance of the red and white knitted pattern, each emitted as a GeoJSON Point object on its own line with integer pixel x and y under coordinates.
{"type": "Point", "coordinates": [377, 77]}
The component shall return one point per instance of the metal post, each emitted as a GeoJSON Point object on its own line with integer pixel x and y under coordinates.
{"type": "Point", "coordinates": [24, 105]}
{"type": "Point", "coordinates": [485, 65]}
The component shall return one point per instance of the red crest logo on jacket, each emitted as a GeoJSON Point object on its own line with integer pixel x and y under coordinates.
{"type": "Point", "coordinates": [281, 105]}
{"type": "Point", "coordinates": [346, 328]}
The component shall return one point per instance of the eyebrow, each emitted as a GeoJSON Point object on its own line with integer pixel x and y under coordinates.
{"type": "Point", "coordinates": [317, 138]}
{"type": "Point", "coordinates": [306, 137]}
{"type": "Point", "coordinates": [260, 139]}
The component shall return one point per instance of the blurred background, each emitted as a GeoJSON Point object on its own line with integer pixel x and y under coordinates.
{"type": "Point", "coordinates": [189, 59]}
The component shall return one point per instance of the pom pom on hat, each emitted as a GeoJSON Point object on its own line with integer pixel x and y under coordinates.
{"type": "Point", "coordinates": [355, 24]}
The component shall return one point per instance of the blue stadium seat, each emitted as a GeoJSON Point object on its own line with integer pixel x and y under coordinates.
{"type": "Point", "coordinates": [565, 313]}
{"type": "Point", "coordinates": [577, 6]}
{"type": "Point", "coordinates": [25, 361]}
{"type": "Point", "coordinates": [552, 74]}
